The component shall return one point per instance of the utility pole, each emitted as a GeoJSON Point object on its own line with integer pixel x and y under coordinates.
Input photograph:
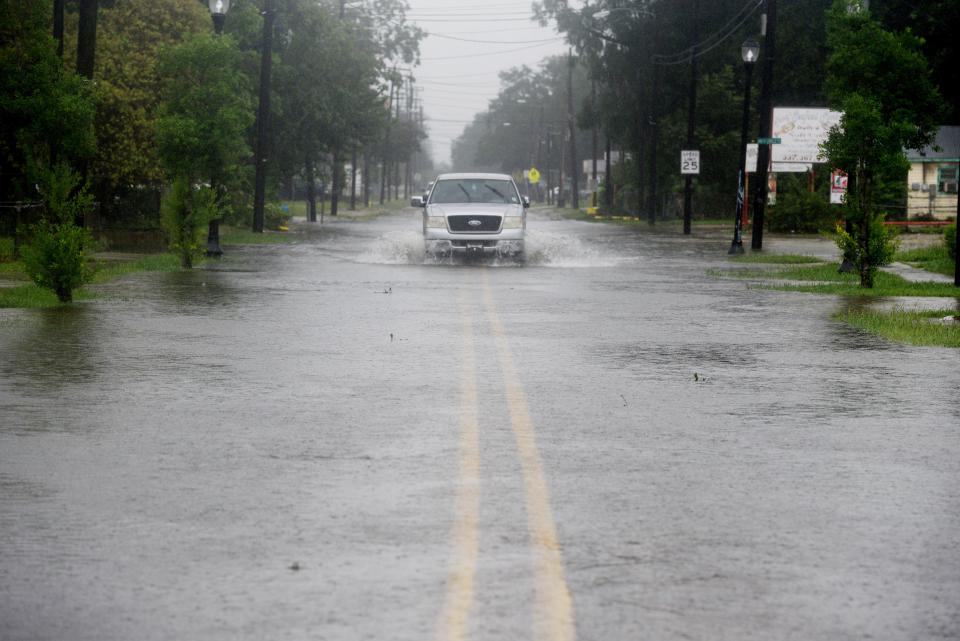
{"type": "Point", "coordinates": [546, 173]}
{"type": "Point", "coordinates": [58, 26]}
{"type": "Point", "coordinates": [543, 171]}
{"type": "Point", "coordinates": [691, 121]}
{"type": "Point", "coordinates": [654, 135]}
{"type": "Point", "coordinates": [768, 30]}
{"type": "Point", "coordinates": [572, 122]}
{"type": "Point", "coordinates": [263, 117]}
{"type": "Point", "coordinates": [593, 151]}
{"type": "Point", "coordinates": [384, 165]}
{"type": "Point", "coordinates": [396, 164]}
{"type": "Point", "coordinates": [561, 198]}
{"type": "Point", "coordinates": [607, 173]}
{"type": "Point", "coordinates": [86, 38]}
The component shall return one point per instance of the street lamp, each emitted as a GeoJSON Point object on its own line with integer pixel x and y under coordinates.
{"type": "Point", "coordinates": [749, 52]}
{"type": "Point", "coordinates": [218, 10]}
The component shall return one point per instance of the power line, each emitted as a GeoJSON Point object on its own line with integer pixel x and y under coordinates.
{"type": "Point", "coordinates": [492, 42]}
{"type": "Point", "coordinates": [701, 47]}
{"type": "Point", "coordinates": [488, 53]}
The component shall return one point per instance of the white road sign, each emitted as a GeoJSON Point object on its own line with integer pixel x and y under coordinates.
{"type": "Point", "coordinates": [690, 162]}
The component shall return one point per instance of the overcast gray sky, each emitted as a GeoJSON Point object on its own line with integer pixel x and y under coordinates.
{"type": "Point", "coordinates": [458, 77]}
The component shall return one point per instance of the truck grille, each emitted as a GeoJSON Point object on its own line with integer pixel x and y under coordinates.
{"type": "Point", "coordinates": [462, 223]}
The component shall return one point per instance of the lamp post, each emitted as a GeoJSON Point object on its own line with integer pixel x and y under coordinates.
{"type": "Point", "coordinates": [749, 52]}
{"type": "Point", "coordinates": [218, 11]}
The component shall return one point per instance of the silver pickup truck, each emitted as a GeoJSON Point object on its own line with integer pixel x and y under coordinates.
{"type": "Point", "coordinates": [473, 213]}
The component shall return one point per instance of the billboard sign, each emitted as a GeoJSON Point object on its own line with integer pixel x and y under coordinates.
{"type": "Point", "coordinates": [801, 130]}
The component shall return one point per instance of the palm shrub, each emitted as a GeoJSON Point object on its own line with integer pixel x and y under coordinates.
{"type": "Point", "coordinates": [57, 254]}
{"type": "Point", "coordinates": [185, 213]}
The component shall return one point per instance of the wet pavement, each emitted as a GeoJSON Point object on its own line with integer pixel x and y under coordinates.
{"type": "Point", "coordinates": [341, 439]}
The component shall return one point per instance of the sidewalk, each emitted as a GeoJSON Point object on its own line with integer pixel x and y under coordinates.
{"type": "Point", "coordinates": [915, 275]}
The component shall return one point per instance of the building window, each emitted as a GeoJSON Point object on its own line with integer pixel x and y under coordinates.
{"type": "Point", "coordinates": [947, 180]}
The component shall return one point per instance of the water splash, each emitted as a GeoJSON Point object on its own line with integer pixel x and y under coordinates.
{"type": "Point", "coordinates": [401, 248]}
{"type": "Point", "coordinates": [543, 249]}
{"type": "Point", "coordinates": [546, 249]}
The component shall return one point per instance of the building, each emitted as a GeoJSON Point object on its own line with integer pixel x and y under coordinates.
{"type": "Point", "coordinates": [933, 177]}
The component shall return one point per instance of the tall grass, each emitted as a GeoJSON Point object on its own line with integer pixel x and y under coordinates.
{"type": "Point", "coordinates": [933, 259]}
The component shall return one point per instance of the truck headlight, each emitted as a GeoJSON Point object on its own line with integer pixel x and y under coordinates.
{"type": "Point", "coordinates": [437, 221]}
{"type": "Point", "coordinates": [513, 222]}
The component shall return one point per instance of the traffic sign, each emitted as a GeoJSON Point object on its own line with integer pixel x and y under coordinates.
{"type": "Point", "coordinates": [768, 141]}
{"type": "Point", "coordinates": [690, 161]}
{"type": "Point", "coordinates": [533, 176]}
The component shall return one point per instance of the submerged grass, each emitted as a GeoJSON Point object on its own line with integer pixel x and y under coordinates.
{"type": "Point", "coordinates": [230, 235]}
{"type": "Point", "coordinates": [33, 297]}
{"type": "Point", "coordinates": [29, 296]}
{"type": "Point", "coordinates": [913, 328]}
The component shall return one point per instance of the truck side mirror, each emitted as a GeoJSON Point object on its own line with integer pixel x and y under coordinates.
{"type": "Point", "coordinates": [526, 201]}
{"type": "Point", "coordinates": [416, 201]}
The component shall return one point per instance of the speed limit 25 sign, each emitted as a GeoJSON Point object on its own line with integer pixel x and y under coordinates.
{"type": "Point", "coordinates": [690, 162]}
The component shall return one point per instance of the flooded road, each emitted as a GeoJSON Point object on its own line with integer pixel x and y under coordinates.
{"type": "Point", "coordinates": [344, 439]}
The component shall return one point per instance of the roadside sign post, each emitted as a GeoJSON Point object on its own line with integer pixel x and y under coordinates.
{"type": "Point", "coordinates": [838, 187]}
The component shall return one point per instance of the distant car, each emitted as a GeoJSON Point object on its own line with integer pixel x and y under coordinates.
{"type": "Point", "coordinates": [473, 214]}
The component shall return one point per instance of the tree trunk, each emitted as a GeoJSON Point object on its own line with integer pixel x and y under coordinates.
{"type": "Point", "coordinates": [311, 191]}
{"type": "Point", "coordinates": [335, 189]}
{"type": "Point", "coordinates": [353, 179]}
{"type": "Point", "coordinates": [366, 178]}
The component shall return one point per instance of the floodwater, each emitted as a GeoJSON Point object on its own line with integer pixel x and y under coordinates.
{"type": "Point", "coordinates": [347, 439]}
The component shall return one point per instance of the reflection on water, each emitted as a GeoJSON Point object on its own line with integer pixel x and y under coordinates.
{"type": "Point", "coordinates": [57, 347]}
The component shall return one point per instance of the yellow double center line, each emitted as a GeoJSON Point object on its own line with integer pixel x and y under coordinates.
{"type": "Point", "coordinates": [553, 615]}
{"type": "Point", "coordinates": [455, 618]}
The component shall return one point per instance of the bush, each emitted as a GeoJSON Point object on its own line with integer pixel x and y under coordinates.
{"type": "Point", "coordinates": [184, 214]}
{"type": "Point", "coordinates": [802, 212]}
{"type": "Point", "coordinates": [880, 250]}
{"type": "Point", "coordinates": [950, 237]}
{"type": "Point", "coordinates": [274, 216]}
{"type": "Point", "coordinates": [57, 254]}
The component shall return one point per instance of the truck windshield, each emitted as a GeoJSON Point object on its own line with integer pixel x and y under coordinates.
{"type": "Point", "coordinates": [475, 190]}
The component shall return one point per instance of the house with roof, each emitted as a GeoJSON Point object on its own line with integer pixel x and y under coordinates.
{"type": "Point", "coordinates": [932, 180]}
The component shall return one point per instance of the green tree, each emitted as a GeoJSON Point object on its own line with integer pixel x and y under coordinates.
{"type": "Point", "coordinates": [881, 83]}
{"type": "Point", "coordinates": [202, 126]}
{"type": "Point", "coordinates": [327, 83]}
{"type": "Point", "coordinates": [206, 111]}
{"type": "Point", "coordinates": [130, 37]}
{"type": "Point", "coordinates": [44, 108]}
